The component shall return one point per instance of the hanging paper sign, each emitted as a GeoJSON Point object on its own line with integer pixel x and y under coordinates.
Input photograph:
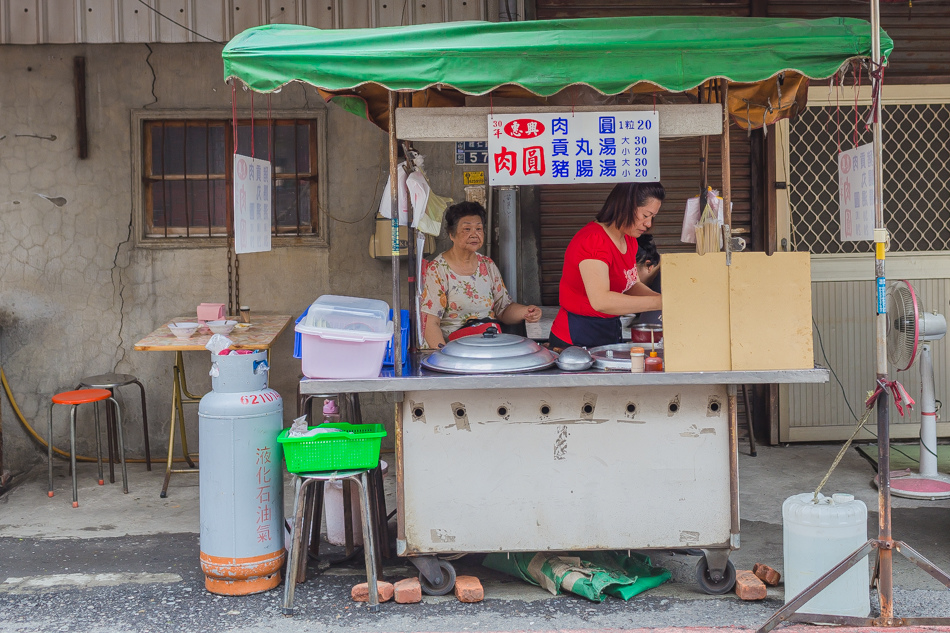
{"type": "Point", "coordinates": [856, 193]}
{"type": "Point", "coordinates": [252, 212]}
{"type": "Point", "coordinates": [563, 148]}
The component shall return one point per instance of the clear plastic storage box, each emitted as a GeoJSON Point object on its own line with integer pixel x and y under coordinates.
{"type": "Point", "coordinates": [344, 337]}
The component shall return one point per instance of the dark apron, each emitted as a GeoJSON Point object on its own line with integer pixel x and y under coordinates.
{"type": "Point", "coordinates": [589, 331]}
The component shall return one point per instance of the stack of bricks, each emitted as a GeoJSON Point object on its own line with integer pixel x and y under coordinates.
{"type": "Point", "coordinates": [751, 585]}
{"type": "Point", "coordinates": [409, 590]}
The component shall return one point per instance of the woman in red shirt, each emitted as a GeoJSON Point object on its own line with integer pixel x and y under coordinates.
{"type": "Point", "coordinates": [599, 281]}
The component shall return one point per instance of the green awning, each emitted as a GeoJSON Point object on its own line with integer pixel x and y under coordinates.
{"type": "Point", "coordinates": [545, 56]}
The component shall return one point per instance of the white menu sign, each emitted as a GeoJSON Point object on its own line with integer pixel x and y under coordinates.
{"type": "Point", "coordinates": [252, 212]}
{"type": "Point", "coordinates": [856, 193]}
{"type": "Point", "coordinates": [570, 148]}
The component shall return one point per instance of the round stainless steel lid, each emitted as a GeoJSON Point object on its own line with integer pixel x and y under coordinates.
{"type": "Point", "coordinates": [613, 357]}
{"type": "Point", "coordinates": [490, 353]}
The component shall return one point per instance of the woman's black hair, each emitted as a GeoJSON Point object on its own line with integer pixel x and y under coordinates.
{"type": "Point", "coordinates": [460, 210]}
{"type": "Point", "coordinates": [620, 208]}
{"type": "Point", "coordinates": [646, 250]}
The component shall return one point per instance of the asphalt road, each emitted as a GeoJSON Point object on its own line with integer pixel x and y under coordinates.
{"type": "Point", "coordinates": [154, 584]}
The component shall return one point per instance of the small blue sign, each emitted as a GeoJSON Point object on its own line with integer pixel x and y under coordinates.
{"type": "Point", "coordinates": [881, 296]}
{"type": "Point", "coordinates": [471, 153]}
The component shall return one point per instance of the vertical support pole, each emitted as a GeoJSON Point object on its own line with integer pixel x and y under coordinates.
{"type": "Point", "coordinates": [885, 556]}
{"type": "Point", "coordinates": [726, 155]}
{"type": "Point", "coordinates": [394, 201]}
{"type": "Point", "coordinates": [79, 81]}
{"type": "Point", "coordinates": [508, 238]}
{"type": "Point", "coordinates": [733, 410]}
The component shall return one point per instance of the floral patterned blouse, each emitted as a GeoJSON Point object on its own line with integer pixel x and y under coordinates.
{"type": "Point", "coordinates": [454, 298]}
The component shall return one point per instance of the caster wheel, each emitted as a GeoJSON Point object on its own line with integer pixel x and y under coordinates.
{"type": "Point", "coordinates": [712, 585]}
{"type": "Point", "coordinates": [444, 587]}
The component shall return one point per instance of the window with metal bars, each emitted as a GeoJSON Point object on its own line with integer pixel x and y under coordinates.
{"type": "Point", "coordinates": [187, 175]}
{"type": "Point", "coordinates": [916, 176]}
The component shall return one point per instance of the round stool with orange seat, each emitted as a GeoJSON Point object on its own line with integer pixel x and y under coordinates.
{"type": "Point", "coordinates": [74, 399]}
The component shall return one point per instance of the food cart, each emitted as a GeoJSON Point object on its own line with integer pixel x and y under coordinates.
{"type": "Point", "coordinates": [551, 459]}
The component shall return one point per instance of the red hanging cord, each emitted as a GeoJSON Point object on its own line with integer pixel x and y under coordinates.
{"type": "Point", "coordinates": [654, 102]}
{"type": "Point", "coordinates": [876, 75]}
{"type": "Point", "coordinates": [252, 124]}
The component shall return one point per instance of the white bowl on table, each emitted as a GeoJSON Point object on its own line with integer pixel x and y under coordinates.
{"type": "Point", "coordinates": [183, 329]}
{"type": "Point", "coordinates": [221, 327]}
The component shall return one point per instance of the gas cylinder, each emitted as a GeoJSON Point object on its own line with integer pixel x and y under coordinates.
{"type": "Point", "coordinates": [819, 534]}
{"type": "Point", "coordinates": [240, 476]}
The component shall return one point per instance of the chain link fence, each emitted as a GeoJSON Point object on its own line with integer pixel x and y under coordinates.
{"type": "Point", "coordinates": [916, 176]}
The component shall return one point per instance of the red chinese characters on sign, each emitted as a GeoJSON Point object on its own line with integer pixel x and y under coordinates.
{"type": "Point", "coordinates": [524, 128]}
{"type": "Point", "coordinates": [533, 161]}
{"type": "Point", "coordinates": [264, 512]}
{"type": "Point", "coordinates": [506, 161]}
{"type": "Point", "coordinates": [497, 129]}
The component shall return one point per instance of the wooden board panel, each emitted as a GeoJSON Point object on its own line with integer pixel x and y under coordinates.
{"type": "Point", "coordinates": [770, 311]}
{"type": "Point", "coordinates": [696, 312]}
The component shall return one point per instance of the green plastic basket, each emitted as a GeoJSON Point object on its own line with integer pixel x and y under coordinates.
{"type": "Point", "coordinates": [355, 447]}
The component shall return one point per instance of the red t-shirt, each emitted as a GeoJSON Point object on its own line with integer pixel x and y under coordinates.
{"type": "Point", "coordinates": [592, 242]}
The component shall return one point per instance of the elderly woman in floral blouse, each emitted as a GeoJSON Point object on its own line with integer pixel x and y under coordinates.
{"type": "Point", "coordinates": [461, 284]}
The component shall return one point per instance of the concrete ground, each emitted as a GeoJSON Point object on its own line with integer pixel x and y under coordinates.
{"type": "Point", "coordinates": [130, 563]}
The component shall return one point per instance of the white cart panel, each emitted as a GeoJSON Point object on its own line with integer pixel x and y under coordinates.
{"type": "Point", "coordinates": [562, 469]}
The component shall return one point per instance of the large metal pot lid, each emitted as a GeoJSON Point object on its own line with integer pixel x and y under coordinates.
{"type": "Point", "coordinates": [613, 357]}
{"type": "Point", "coordinates": [490, 353]}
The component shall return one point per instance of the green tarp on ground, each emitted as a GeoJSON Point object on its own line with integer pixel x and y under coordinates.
{"type": "Point", "coordinates": [675, 53]}
{"type": "Point", "coordinates": [592, 575]}
{"type": "Point", "coordinates": [908, 456]}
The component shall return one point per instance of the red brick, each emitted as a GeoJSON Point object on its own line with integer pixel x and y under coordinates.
{"type": "Point", "coordinates": [469, 589]}
{"type": "Point", "coordinates": [766, 574]}
{"type": "Point", "coordinates": [384, 591]}
{"type": "Point", "coordinates": [408, 591]}
{"type": "Point", "coordinates": [748, 586]}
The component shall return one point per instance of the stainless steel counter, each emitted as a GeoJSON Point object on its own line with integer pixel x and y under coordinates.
{"type": "Point", "coordinates": [418, 379]}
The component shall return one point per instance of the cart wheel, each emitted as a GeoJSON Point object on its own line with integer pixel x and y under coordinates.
{"type": "Point", "coordinates": [448, 580]}
{"type": "Point", "coordinates": [711, 586]}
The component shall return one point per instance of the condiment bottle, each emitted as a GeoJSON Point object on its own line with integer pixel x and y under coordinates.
{"type": "Point", "coordinates": [653, 363]}
{"type": "Point", "coordinates": [636, 360]}
{"type": "Point", "coordinates": [331, 413]}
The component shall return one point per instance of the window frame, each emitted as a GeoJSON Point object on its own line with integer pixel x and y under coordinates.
{"type": "Point", "coordinates": [140, 205]}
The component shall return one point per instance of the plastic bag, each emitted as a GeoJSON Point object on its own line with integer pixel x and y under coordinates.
{"type": "Point", "coordinates": [592, 575]}
{"type": "Point", "coordinates": [708, 232]}
{"type": "Point", "coordinates": [693, 213]}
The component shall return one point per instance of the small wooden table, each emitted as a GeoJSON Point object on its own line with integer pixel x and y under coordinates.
{"type": "Point", "coordinates": [259, 334]}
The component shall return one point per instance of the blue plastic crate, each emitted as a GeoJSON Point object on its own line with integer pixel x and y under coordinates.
{"type": "Point", "coordinates": [388, 359]}
{"type": "Point", "coordinates": [404, 330]}
{"type": "Point", "coordinates": [297, 342]}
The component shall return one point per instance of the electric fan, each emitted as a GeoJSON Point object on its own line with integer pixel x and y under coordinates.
{"type": "Point", "coordinates": [909, 332]}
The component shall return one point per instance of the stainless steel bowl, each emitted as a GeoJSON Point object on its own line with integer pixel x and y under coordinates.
{"type": "Point", "coordinates": [575, 358]}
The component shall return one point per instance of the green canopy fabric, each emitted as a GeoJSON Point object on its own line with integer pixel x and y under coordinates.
{"type": "Point", "coordinates": [546, 56]}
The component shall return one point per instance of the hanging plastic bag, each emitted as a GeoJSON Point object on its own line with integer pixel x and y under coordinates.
{"type": "Point", "coordinates": [708, 232]}
{"type": "Point", "coordinates": [690, 220]}
{"type": "Point", "coordinates": [693, 214]}
{"type": "Point", "coordinates": [385, 201]}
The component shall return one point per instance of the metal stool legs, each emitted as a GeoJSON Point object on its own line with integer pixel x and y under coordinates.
{"type": "Point", "coordinates": [306, 517]}
{"type": "Point", "coordinates": [72, 447]}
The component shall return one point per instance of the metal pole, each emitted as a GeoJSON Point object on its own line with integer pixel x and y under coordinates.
{"type": "Point", "coordinates": [726, 160]}
{"type": "Point", "coordinates": [885, 552]}
{"type": "Point", "coordinates": [394, 205]}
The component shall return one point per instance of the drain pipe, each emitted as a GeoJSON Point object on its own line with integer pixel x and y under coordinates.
{"type": "Point", "coordinates": [508, 238]}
